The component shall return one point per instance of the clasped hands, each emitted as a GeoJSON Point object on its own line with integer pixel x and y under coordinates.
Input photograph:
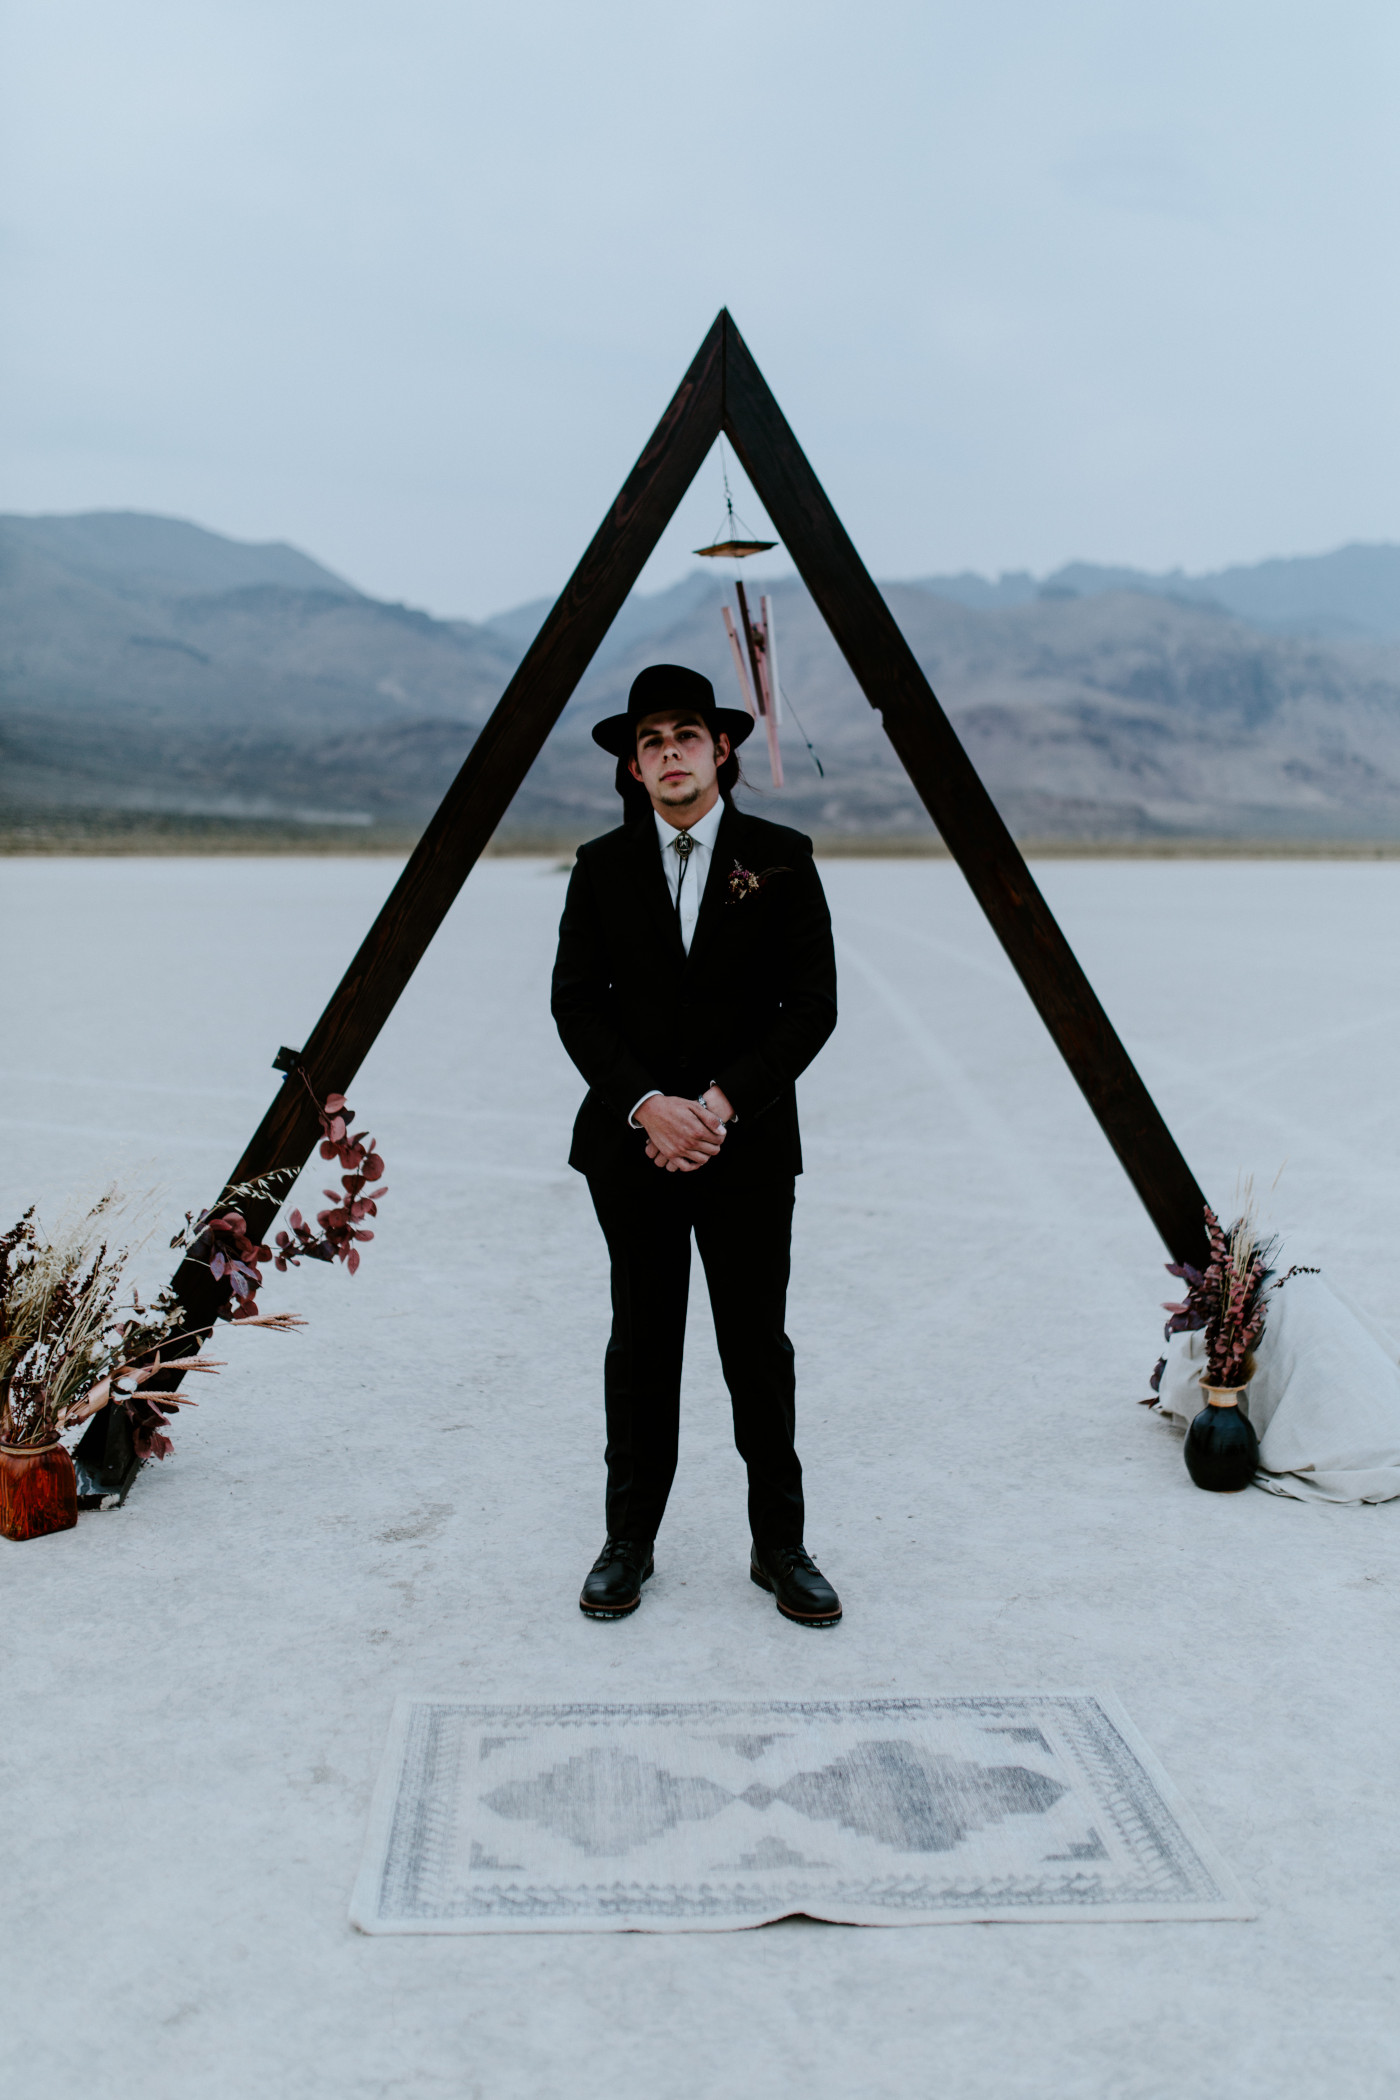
{"type": "Point", "coordinates": [682, 1134]}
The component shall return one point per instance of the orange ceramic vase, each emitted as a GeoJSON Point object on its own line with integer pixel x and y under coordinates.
{"type": "Point", "coordinates": [38, 1490]}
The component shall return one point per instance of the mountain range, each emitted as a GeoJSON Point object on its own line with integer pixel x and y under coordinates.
{"type": "Point", "coordinates": [152, 669]}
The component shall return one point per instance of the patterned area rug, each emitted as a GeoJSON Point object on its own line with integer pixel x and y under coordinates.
{"type": "Point", "coordinates": [706, 1817]}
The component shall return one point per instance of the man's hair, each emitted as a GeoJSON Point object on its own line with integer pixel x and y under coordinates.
{"type": "Point", "coordinates": [636, 802]}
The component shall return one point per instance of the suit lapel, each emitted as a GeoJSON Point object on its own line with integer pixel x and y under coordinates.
{"type": "Point", "coordinates": [652, 889]}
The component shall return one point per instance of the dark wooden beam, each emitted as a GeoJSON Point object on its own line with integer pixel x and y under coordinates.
{"type": "Point", "coordinates": [890, 677]}
{"type": "Point", "coordinates": [506, 748]}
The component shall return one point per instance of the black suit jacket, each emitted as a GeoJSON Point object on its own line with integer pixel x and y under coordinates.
{"type": "Point", "coordinates": [746, 1010]}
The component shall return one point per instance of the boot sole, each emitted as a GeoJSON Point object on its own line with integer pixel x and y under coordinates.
{"type": "Point", "coordinates": [799, 1618]}
{"type": "Point", "coordinates": [615, 1611]}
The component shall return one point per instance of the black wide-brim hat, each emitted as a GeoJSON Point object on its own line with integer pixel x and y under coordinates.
{"type": "Point", "coordinates": [670, 689]}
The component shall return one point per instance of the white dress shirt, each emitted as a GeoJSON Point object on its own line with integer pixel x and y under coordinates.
{"type": "Point", "coordinates": [697, 869]}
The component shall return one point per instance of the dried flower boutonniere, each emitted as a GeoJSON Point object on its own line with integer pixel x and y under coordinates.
{"type": "Point", "coordinates": [744, 883]}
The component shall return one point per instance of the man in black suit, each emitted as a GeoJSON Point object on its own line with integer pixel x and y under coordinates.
{"type": "Point", "coordinates": [695, 980]}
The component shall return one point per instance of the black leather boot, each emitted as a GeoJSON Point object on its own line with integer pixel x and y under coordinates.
{"type": "Point", "coordinates": [614, 1584]}
{"type": "Point", "coordinates": [799, 1588]}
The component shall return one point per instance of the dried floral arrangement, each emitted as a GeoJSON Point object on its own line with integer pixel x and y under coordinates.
{"type": "Point", "coordinates": [339, 1226]}
{"type": "Point", "coordinates": [1228, 1298]}
{"type": "Point", "coordinates": [219, 1238]}
{"type": "Point", "coordinates": [70, 1344]}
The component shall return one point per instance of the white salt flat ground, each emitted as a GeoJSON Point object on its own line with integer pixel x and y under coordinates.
{"type": "Point", "coordinates": [406, 1495]}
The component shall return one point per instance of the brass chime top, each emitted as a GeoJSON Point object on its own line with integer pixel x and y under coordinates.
{"type": "Point", "coordinates": [738, 548]}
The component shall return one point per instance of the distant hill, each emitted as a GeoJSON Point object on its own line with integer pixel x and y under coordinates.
{"type": "Point", "coordinates": [138, 556]}
{"type": "Point", "coordinates": [642, 617]}
{"type": "Point", "coordinates": [147, 665]}
{"type": "Point", "coordinates": [1121, 715]}
{"type": "Point", "coordinates": [1350, 595]}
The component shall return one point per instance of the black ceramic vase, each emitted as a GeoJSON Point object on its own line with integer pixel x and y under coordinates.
{"type": "Point", "coordinates": [1222, 1451]}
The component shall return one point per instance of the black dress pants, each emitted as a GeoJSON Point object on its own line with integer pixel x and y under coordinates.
{"type": "Point", "coordinates": [742, 1224]}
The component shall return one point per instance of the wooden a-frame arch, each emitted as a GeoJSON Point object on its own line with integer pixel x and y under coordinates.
{"type": "Point", "coordinates": [723, 391]}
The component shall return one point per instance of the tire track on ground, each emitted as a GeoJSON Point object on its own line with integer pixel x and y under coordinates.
{"type": "Point", "coordinates": [983, 1121]}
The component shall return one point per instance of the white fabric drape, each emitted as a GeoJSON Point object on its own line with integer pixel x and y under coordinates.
{"type": "Point", "coordinates": [1324, 1400]}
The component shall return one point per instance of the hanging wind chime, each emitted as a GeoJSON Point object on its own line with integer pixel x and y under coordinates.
{"type": "Point", "coordinates": [756, 656]}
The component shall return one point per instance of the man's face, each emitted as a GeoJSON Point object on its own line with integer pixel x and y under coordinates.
{"type": "Point", "coordinates": [678, 764]}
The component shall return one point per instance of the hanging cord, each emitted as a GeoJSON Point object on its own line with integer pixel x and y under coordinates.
{"type": "Point", "coordinates": [811, 747]}
{"type": "Point", "coordinates": [737, 528]}
{"type": "Point", "coordinates": [733, 532]}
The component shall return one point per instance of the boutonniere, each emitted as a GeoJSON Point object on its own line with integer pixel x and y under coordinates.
{"type": "Point", "coordinates": [744, 883]}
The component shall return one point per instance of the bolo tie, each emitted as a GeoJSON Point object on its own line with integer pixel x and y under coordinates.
{"type": "Point", "coordinates": [685, 846]}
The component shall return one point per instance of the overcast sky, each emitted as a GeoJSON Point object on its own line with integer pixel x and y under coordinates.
{"type": "Point", "coordinates": [409, 285]}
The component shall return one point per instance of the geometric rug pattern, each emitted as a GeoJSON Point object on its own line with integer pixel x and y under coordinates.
{"type": "Point", "coordinates": [717, 1814]}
